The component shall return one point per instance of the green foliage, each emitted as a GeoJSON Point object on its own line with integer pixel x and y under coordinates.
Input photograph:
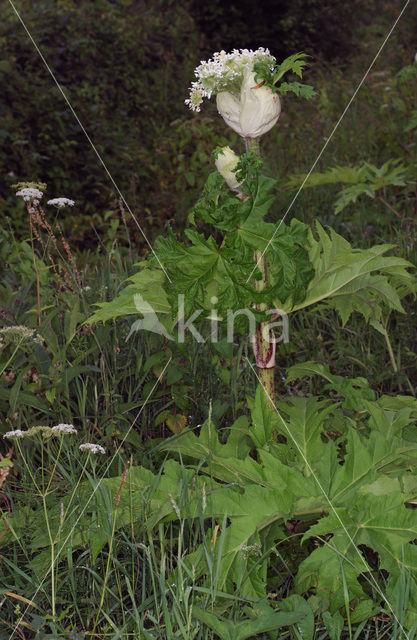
{"type": "Point", "coordinates": [351, 490]}
{"type": "Point", "coordinates": [407, 74]}
{"type": "Point", "coordinates": [365, 180]}
{"type": "Point", "coordinates": [300, 90]}
{"type": "Point", "coordinates": [348, 280]}
{"type": "Point", "coordinates": [230, 630]}
{"type": "Point", "coordinates": [124, 108]}
{"type": "Point", "coordinates": [205, 268]}
{"type": "Point", "coordinates": [293, 64]}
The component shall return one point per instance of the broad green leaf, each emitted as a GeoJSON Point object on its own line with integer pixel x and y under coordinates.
{"type": "Point", "coordinates": [305, 421]}
{"type": "Point", "coordinates": [264, 420]}
{"type": "Point", "coordinates": [207, 444]}
{"type": "Point", "coordinates": [351, 280]}
{"type": "Point", "coordinates": [334, 624]}
{"type": "Point", "coordinates": [148, 283]}
{"type": "Point", "coordinates": [305, 627]}
{"type": "Point", "coordinates": [244, 629]}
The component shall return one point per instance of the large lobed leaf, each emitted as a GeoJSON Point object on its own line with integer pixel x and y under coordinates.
{"type": "Point", "coordinates": [352, 493]}
{"type": "Point", "coordinates": [348, 280]}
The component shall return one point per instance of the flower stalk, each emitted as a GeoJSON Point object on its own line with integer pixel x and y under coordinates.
{"type": "Point", "coordinates": [263, 342]}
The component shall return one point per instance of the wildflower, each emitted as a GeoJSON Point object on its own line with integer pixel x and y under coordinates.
{"type": "Point", "coordinates": [45, 432]}
{"type": "Point", "coordinates": [92, 448]}
{"type": "Point", "coordinates": [249, 107]}
{"type": "Point", "coordinates": [14, 434]}
{"type": "Point", "coordinates": [250, 550]}
{"type": "Point", "coordinates": [61, 202]}
{"type": "Point", "coordinates": [226, 163]}
{"type": "Point", "coordinates": [224, 72]}
{"type": "Point", "coordinates": [20, 333]}
{"type": "Point", "coordinates": [64, 428]}
{"type": "Point", "coordinates": [29, 193]}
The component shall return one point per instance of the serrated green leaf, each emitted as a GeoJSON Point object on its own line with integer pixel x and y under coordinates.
{"type": "Point", "coordinates": [148, 283]}
{"type": "Point", "coordinates": [348, 280]}
{"type": "Point", "coordinates": [305, 91]}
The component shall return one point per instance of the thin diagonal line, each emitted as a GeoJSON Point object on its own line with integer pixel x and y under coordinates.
{"type": "Point", "coordinates": [311, 470]}
{"type": "Point", "coordinates": [89, 499]}
{"type": "Point", "coordinates": [329, 138]}
{"type": "Point", "coordinates": [87, 136]}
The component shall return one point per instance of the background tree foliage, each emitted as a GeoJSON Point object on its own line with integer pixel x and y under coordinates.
{"type": "Point", "coordinates": [125, 66]}
{"type": "Point", "coordinates": [124, 69]}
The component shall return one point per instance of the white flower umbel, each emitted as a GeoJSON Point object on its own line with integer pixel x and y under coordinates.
{"type": "Point", "coordinates": [92, 448]}
{"type": "Point", "coordinates": [20, 333]}
{"type": "Point", "coordinates": [64, 428]}
{"type": "Point", "coordinates": [224, 72]}
{"type": "Point", "coordinates": [61, 202]}
{"type": "Point", "coordinates": [254, 112]}
{"type": "Point", "coordinates": [249, 107]}
{"type": "Point", "coordinates": [226, 162]}
{"type": "Point", "coordinates": [29, 193]}
{"type": "Point", "coordinates": [14, 434]}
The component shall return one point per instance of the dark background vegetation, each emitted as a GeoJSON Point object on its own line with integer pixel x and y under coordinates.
{"type": "Point", "coordinates": [126, 66]}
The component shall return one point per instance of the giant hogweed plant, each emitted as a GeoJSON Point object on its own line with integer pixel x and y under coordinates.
{"type": "Point", "coordinates": [246, 262]}
{"type": "Point", "coordinates": [320, 495]}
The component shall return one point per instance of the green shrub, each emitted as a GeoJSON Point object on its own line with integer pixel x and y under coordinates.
{"type": "Point", "coordinates": [125, 71]}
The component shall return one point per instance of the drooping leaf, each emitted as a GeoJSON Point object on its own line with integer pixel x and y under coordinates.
{"type": "Point", "coordinates": [148, 283]}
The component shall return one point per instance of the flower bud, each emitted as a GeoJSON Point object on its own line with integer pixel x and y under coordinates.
{"type": "Point", "coordinates": [254, 113]}
{"type": "Point", "coordinates": [226, 162]}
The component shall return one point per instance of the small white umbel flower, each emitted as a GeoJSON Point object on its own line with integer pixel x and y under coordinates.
{"type": "Point", "coordinates": [92, 448]}
{"type": "Point", "coordinates": [30, 193]}
{"type": "Point", "coordinates": [14, 434]}
{"type": "Point", "coordinates": [64, 428]}
{"type": "Point", "coordinates": [61, 202]}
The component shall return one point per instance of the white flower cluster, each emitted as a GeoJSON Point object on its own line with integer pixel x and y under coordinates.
{"type": "Point", "coordinates": [224, 72]}
{"type": "Point", "coordinates": [61, 202]}
{"type": "Point", "coordinates": [92, 448]}
{"type": "Point", "coordinates": [20, 333]}
{"type": "Point", "coordinates": [64, 428]}
{"type": "Point", "coordinates": [250, 550]}
{"type": "Point", "coordinates": [45, 431]}
{"type": "Point", "coordinates": [29, 193]}
{"type": "Point", "coordinates": [14, 434]}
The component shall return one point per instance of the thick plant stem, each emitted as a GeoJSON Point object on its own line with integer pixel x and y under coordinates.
{"type": "Point", "coordinates": [264, 344]}
{"type": "Point", "coordinates": [252, 144]}
{"type": "Point", "coordinates": [263, 341]}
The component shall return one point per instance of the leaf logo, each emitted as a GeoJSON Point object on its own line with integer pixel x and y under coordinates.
{"type": "Point", "coordinates": [150, 321]}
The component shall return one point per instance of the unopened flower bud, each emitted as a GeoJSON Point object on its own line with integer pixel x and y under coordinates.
{"type": "Point", "coordinates": [255, 112]}
{"type": "Point", "coordinates": [226, 162]}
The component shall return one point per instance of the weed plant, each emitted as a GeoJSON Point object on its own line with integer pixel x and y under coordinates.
{"type": "Point", "coordinates": [125, 572]}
